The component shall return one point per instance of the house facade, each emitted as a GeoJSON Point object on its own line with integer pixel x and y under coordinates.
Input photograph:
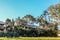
{"type": "Point", "coordinates": [58, 33]}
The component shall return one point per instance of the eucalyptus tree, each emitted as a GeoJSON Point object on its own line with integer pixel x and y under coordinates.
{"type": "Point", "coordinates": [29, 18]}
{"type": "Point", "coordinates": [54, 13]}
{"type": "Point", "coordinates": [51, 17]}
{"type": "Point", "coordinates": [13, 22]}
{"type": "Point", "coordinates": [43, 18]}
{"type": "Point", "coordinates": [17, 21]}
{"type": "Point", "coordinates": [8, 22]}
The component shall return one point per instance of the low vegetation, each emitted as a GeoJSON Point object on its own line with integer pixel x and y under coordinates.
{"type": "Point", "coordinates": [31, 38]}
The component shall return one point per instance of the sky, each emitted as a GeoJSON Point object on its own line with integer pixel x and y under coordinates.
{"type": "Point", "coordinates": [14, 8]}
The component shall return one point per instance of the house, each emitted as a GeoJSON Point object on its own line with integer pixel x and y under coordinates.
{"type": "Point", "coordinates": [2, 28]}
{"type": "Point", "coordinates": [32, 25]}
{"type": "Point", "coordinates": [1, 23]}
{"type": "Point", "coordinates": [58, 33]}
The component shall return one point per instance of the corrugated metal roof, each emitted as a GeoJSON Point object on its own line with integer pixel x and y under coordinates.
{"type": "Point", "coordinates": [2, 22]}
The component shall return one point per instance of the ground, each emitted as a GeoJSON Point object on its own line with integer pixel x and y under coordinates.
{"type": "Point", "coordinates": [31, 38]}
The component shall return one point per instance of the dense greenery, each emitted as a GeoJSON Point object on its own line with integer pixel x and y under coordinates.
{"type": "Point", "coordinates": [48, 22]}
{"type": "Point", "coordinates": [28, 33]}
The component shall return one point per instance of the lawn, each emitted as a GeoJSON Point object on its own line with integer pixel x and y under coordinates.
{"type": "Point", "coordinates": [31, 38]}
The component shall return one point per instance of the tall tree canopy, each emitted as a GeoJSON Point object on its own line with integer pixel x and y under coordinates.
{"type": "Point", "coordinates": [54, 13]}
{"type": "Point", "coordinates": [8, 20]}
{"type": "Point", "coordinates": [29, 18]}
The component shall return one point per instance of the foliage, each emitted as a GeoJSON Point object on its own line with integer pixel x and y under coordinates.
{"type": "Point", "coordinates": [29, 18]}
{"type": "Point", "coordinates": [49, 21]}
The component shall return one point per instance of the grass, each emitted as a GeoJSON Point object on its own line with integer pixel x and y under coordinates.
{"type": "Point", "coordinates": [31, 38]}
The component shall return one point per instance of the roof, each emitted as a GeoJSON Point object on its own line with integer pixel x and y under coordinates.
{"type": "Point", "coordinates": [31, 25]}
{"type": "Point", "coordinates": [2, 22]}
{"type": "Point", "coordinates": [58, 31]}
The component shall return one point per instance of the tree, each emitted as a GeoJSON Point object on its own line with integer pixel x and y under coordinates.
{"type": "Point", "coordinates": [8, 22]}
{"type": "Point", "coordinates": [29, 18]}
{"type": "Point", "coordinates": [13, 22]}
{"type": "Point", "coordinates": [54, 13]}
{"type": "Point", "coordinates": [18, 21]}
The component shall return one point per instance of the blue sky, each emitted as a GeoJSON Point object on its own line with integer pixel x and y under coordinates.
{"type": "Point", "coordinates": [14, 8]}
